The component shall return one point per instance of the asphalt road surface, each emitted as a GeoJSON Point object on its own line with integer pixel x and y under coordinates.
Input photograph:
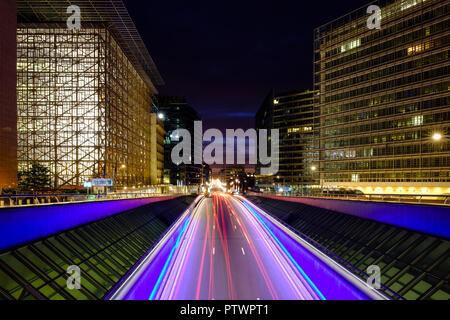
{"type": "Point", "coordinates": [225, 253]}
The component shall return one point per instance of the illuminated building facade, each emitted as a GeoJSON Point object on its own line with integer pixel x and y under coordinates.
{"type": "Point", "coordinates": [233, 176]}
{"type": "Point", "coordinates": [85, 96]}
{"type": "Point", "coordinates": [384, 99]}
{"type": "Point", "coordinates": [293, 114]}
{"type": "Point", "coordinates": [157, 150]}
{"type": "Point", "coordinates": [8, 107]}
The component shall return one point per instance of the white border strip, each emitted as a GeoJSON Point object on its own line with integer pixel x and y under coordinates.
{"type": "Point", "coordinates": [133, 277]}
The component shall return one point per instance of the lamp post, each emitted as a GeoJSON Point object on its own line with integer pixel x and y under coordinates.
{"type": "Point", "coordinates": [123, 167]}
{"type": "Point", "coordinates": [437, 137]}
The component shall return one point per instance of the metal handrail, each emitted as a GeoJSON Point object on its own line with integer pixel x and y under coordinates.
{"type": "Point", "coordinates": [49, 199]}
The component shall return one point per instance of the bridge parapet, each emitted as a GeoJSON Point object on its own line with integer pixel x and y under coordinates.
{"type": "Point", "coordinates": [425, 218]}
{"type": "Point", "coordinates": [19, 225]}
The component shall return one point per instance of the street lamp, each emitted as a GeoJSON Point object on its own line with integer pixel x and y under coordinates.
{"type": "Point", "coordinates": [314, 170]}
{"type": "Point", "coordinates": [161, 116]}
{"type": "Point", "coordinates": [437, 137]}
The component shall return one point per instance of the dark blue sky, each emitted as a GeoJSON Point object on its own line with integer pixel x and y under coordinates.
{"type": "Point", "coordinates": [225, 56]}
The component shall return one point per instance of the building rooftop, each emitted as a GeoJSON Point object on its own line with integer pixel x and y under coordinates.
{"type": "Point", "coordinates": [113, 12]}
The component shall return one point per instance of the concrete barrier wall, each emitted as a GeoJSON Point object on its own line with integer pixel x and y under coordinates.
{"type": "Point", "coordinates": [25, 224]}
{"type": "Point", "coordinates": [429, 219]}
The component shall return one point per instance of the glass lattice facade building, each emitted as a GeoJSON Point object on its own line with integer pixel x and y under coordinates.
{"type": "Point", "coordinates": [83, 109]}
{"type": "Point", "coordinates": [384, 99]}
{"type": "Point", "coordinates": [8, 108]}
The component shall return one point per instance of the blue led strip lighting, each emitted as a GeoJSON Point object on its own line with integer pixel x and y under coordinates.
{"type": "Point", "coordinates": [155, 289]}
{"type": "Point", "coordinates": [287, 252]}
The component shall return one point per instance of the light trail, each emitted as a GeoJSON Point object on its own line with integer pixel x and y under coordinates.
{"type": "Point", "coordinates": [185, 252]}
{"type": "Point", "coordinates": [255, 254]}
{"type": "Point", "coordinates": [203, 256]}
{"type": "Point", "coordinates": [295, 281]}
{"type": "Point", "coordinates": [227, 255]}
{"type": "Point", "coordinates": [227, 248]}
{"type": "Point", "coordinates": [287, 252]}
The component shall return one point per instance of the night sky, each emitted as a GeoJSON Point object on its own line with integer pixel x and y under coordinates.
{"type": "Point", "coordinates": [225, 56]}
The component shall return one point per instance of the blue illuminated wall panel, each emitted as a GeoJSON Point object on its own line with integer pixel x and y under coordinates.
{"type": "Point", "coordinates": [25, 224]}
{"type": "Point", "coordinates": [429, 219]}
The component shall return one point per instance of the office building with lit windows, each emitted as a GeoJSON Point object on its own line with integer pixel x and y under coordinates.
{"type": "Point", "coordinates": [384, 98]}
{"type": "Point", "coordinates": [85, 96]}
{"type": "Point", "coordinates": [293, 114]}
{"type": "Point", "coordinates": [8, 106]}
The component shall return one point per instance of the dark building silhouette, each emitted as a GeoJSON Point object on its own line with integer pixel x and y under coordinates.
{"type": "Point", "coordinates": [292, 113]}
{"type": "Point", "coordinates": [178, 114]}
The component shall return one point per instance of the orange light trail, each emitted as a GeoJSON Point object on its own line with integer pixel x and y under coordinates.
{"type": "Point", "coordinates": [203, 256]}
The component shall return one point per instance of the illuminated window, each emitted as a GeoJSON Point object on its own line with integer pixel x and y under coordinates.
{"type": "Point", "coordinates": [418, 121]}
{"type": "Point", "coordinates": [421, 47]}
{"type": "Point", "coordinates": [404, 5]}
{"type": "Point", "coordinates": [296, 130]}
{"type": "Point", "coordinates": [409, 4]}
{"type": "Point", "coordinates": [351, 45]}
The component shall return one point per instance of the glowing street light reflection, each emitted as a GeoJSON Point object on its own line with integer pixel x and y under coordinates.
{"type": "Point", "coordinates": [437, 137]}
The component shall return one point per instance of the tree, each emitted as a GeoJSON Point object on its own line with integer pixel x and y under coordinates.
{"type": "Point", "coordinates": [36, 178]}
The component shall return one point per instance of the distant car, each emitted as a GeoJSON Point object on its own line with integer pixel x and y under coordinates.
{"type": "Point", "coordinates": [208, 194]}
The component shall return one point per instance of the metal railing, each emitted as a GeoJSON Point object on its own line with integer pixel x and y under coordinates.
{"type": "Point", "coordinates": [394, 198]}
{"type": "Point", "coordinates": [33, 200]}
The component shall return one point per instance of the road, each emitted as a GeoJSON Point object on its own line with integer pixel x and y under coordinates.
{"type": "Point", "coordinates": [225, 249]}
{"type": "Point", "coordinates": [227, 255]}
